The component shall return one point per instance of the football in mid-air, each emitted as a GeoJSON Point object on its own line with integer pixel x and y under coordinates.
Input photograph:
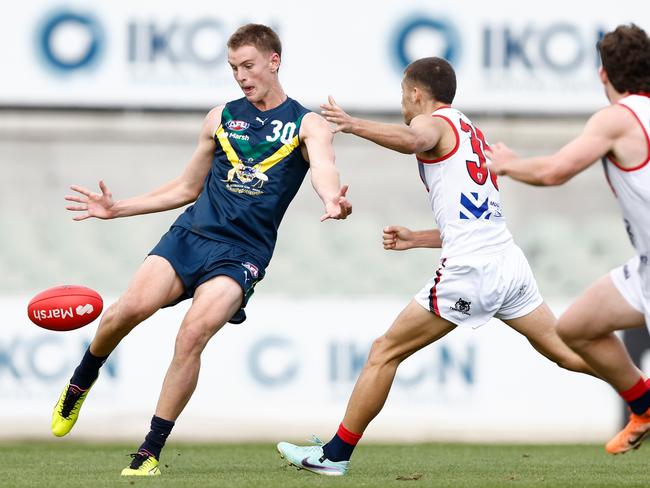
{"type": "Point", "coordinates": [66, 307]}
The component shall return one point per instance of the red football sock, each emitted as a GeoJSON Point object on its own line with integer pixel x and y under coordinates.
{"type": "Point", "coordinates": [637, 391]}
{"type": "Point", "coordinates": [347, 436]}
{"type": "Point", "coordinates": [638, 397]}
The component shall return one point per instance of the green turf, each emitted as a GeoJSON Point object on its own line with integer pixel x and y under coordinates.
{"type": "Point", "coordinates": [69, 465]}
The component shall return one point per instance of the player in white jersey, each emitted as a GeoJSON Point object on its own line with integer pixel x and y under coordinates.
{"type": "Point", "coordinates": [482, 273]}
{"type": "Point", "coordinates": [620, 135]}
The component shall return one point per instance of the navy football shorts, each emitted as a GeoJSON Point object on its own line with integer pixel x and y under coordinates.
{"type": "Point", "coordinates": [196, 259]}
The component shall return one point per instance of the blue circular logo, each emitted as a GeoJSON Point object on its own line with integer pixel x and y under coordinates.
{"type": "Point", "coordinates": [51, 36]}
{"type": "Point", "coordinates": [421, 25]}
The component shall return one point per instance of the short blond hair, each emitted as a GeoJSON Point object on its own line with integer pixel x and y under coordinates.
{"type": "Point", "coordinates": [260, 36]}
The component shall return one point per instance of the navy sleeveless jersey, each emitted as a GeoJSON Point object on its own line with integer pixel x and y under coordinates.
{"type": "Point", "coordinates": [256, 171]}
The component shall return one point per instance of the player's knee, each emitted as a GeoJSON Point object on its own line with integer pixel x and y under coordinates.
{"type": "Point", "coordinates": [571, 328]}
{"type": "Point", "coordinates": [130, 311]}
{"type": "Point", "coordinates": [376, 351]}
{"type": "Point", "coordinates": [191, 340]}
{"type": "Point", "coordinates": [572, 332]}
{"type": "Point", "coordinates": [382, 352]}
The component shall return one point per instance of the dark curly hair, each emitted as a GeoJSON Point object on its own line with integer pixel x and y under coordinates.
{"type": "Point", "coordinates": [261, 36]}
{"type": "Point", "coordinates": [625, 54]}
{"type": "Point", "coordinates": [436, 75]}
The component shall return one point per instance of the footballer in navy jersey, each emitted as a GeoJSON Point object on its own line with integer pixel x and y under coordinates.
{"type": "Point", "coordinates": [250, 160]}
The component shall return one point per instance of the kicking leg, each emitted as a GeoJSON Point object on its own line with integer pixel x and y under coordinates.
{"type": "Point", "coordinates": [139, 302]}
{"type": "Point", "coordinates": [154, 285]}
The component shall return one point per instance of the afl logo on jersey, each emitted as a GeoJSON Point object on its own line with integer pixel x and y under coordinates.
{"type": "Point", "coordinates": [237, 125]}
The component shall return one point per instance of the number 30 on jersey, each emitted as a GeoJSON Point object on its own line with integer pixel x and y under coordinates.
{"type": "Point", "coordinates": [284, 132]}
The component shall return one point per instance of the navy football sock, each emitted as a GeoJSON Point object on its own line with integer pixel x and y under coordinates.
{"type": "Point", "coordinates": [88, 370]}
{"type": "Point", "coordinates": [155, 440]}
{"type": "Point", "coordinates": [342, 445]}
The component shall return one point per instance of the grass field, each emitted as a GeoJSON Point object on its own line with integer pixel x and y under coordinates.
{"type": "Point", "coordinates": [68, 465]}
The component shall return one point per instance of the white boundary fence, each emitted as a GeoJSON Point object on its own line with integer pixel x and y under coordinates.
{"type": "Point", "coordinates": [288, 371]}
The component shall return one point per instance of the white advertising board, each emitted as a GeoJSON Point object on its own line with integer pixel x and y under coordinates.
{"type": "Point", "coordinates": [528, 57]}
{"type": "Point", "coordinates": [287, 373]}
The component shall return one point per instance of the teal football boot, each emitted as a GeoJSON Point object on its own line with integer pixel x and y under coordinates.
{"type": "Point", "coordinates": [312, 458]}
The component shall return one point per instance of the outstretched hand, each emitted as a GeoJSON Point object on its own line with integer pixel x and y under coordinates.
{"type": "Point", "coordinates": [99, 205]}
{"type": "Point", "coordinates": [336, 115]}
{"type": "Point", "coordinates": [397, 238]}
{"type": "Point", "coordinates": [500, 156]}
{"type": "Point", "coordinates": [338, 207]}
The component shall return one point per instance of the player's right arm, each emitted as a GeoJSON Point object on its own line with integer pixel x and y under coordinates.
{"type": "Point", "coordinates": [180, 191]}
{"type": "Point", "coordinates": [398, 238]}
{"type": "Point", "coordinates": [421, 135]}
{"type": "Point", "coordinates": [598, 138]}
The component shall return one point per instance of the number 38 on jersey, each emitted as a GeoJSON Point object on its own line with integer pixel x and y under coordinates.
{"type": "Point", "coordinates": [478, 170]}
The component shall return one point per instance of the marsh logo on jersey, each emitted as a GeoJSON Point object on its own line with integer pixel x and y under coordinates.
{"type": "Point", "coordinates": [237, 125]}
{"type": "Point", "coordinates": [461, 306]}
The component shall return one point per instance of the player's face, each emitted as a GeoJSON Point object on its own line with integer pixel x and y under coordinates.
{"type": "Point", "coordinates": [255, 71]}
{"type": "Point", "coordinates": [408, 104]}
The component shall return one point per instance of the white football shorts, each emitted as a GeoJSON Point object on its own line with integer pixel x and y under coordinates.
{"type": "Point", "coordinates": [628, 282]}
{"type": "Point", "coordinates": [470, 290]}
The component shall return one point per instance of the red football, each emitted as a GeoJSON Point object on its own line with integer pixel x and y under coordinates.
{"type": "Point", "coordinates": [66, 307]}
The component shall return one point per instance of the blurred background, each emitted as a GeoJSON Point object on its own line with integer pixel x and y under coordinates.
{"type": "Point", "coordinates": [117, 91]}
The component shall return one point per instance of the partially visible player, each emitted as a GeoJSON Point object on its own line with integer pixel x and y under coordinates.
{"type": "Point", "coordinates": [619, 134]}
{"type": "Point", "coordinates": [252, 156]}
{"type": "Point", "coordinates": [482, 273]}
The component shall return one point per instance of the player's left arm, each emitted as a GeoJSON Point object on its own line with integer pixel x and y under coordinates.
{"type": "Point", "coordinates": [317, 137]}
{"type": "Point", "coordinates": [399, 238]}
{"type": "Point", "coordinates": [596, 140]}
{"type": "Point", "coordinates": [421, 135]}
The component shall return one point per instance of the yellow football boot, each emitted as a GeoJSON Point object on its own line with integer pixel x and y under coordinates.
{"type": "Point", "coordinates": [143, 464]}
{"type": "Point", "coordinates": [66, 410]}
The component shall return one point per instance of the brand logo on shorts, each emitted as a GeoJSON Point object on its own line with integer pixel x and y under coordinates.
{"type": "Point", "coordinates": [251, 268]}
{"type": "Point", "coordinates": [461, 306]}
{"type": "Point", "coordinates": [626, 272]}
{"type": "Point", "coordinates": [237, 125]}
